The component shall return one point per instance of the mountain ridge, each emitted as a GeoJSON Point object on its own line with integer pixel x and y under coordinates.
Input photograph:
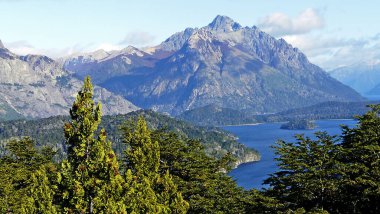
{"type": "Point", "coordinates": [222, 63]}
{"type": "Point", "coordinates": [363, 77]}
{"type": "Point", "coordinates": [228, 65]}
{"type": "Point", "coordinates": [35, 86]}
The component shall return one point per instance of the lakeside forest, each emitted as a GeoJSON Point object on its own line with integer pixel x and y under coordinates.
{"type": "Point", "coordinates": [159, 171]}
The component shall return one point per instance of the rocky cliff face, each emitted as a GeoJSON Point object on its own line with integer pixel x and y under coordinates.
{"type": "Point", "coordinates": [222, 63]}
{"type": "Point", "coordinates": [37, 86]}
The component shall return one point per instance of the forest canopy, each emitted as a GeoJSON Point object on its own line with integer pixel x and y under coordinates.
{"type": "Point", "coordinates": [161, 172]}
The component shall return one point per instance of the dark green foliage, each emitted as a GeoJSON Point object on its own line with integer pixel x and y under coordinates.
{"type": "Point", "coordinates": [26, 178]}
{"type": "Point", "coordinates": [361, 181]}
{"type": "Point", "coordinates": [216, 141]}
{"type": "Point", "coordinates": [298, 125]}
{"type": "Point", "coordinates": [257, 202]}
{"type": "Point", "coordinates": [321, 111]}
{"type": "Point", "coordinates": [212, 115]}
{"type": "Point", "coordinates": [49, 132]}
{"type": "Point", "coordinates": [151, 192]}
{"type": "Point", "coordinates": [158, 167]}
{"type": "Point", "coordinates": [330, 174]}
{"type": "Point", "coordinates": [309, 173]}
{"type": "Point", "coordinates": [164, 171]}
{"type": "Point", "coordinates": [201, 179]}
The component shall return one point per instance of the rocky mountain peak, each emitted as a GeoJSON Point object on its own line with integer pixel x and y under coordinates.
{"type": "Point", "coordinates": [2, 45]}
{"type": "Point", "coordinates": [221, 63]}
{"type": "Point", "coordinates": [224, 24]}
{"type": "Point", "coordinates": [176, 41]}
{"type": "Point", "coordinates": [5, 53]}
{"type": "Point", "coordinates": [132, 50]}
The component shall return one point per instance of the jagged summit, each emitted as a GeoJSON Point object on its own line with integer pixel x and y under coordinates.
{"type": "Point", "coordinates": [224, 24]}
{"type": "Point", "coordinates": [2, 45]}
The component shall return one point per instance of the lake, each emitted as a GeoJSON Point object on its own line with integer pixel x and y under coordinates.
{"type": "Point", "coordinates": [261, 137]}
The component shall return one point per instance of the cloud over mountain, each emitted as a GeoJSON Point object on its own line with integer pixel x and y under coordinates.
{"type": "Point", "coordinates": [23, 47]}
{"type": "Point", "coordinates": [331, 52]}
{"type": "Point", "coordinates": [280, 24]}
{"type": "Point", "coordinates": [138, 38]}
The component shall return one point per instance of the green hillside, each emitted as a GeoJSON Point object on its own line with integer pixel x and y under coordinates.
{"type": "Point", "coordinates": [217, 142]}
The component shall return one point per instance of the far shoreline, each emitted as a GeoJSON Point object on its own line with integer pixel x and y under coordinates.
{"type": "Point", "coordinates": [244, 124]}
{"type": "Point", "coordinates": [255, 124]}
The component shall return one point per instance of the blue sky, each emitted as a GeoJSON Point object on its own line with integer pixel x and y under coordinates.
{"type": "Point", "coordinates": [331, 33]}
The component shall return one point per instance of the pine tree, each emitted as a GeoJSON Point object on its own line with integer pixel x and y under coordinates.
{"type": "Point", "coordinates": [89, 178]}
{"type": "Point", "coordinates": [148, 192]}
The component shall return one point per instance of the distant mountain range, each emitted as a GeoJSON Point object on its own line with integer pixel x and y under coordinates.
{"type": "Point", "coordinates": [364, 77]}
{"type": "Point", "coordinates": [223, 63]}
{"type": "Point", "coordinates": [36, 86]}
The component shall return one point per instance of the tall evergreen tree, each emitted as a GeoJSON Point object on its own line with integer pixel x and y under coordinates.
{"type": "Point", "coordinates": [148, 191]}
{"type": "Point", "coordinates": [89, 179]}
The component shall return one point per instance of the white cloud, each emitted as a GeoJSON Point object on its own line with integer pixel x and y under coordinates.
{"type": "Point", "coordinates": [108, 47]}
{"type": "Point", "coordinates": [280, 24]}
{"type": "Point", "coordinates": [138, 38]}
{"type": "Point", "coordinates": [24, 48]}
{"type": "Point", "coordinates": [322, 49]}
{"type": "Point", "coordinates": [331, 52]}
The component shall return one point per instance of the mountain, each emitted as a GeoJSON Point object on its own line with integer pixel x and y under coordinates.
{"type": "Point", "coordinates": [8, 113]}
{"type": "Point", "coordinates": [36, 86]}
{"type": "Point", "coordinates": [48, 131]}
{"type": "Point", "coordinates": [375, 91]}
{"type": "Point", "coordinates": [222, 63]}
{"type": "Point", "coordinates": [363, 77]}
{"type": "Point", "coordinates": [102, 65]}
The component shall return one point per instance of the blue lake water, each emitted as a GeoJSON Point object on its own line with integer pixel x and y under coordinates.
{"type": "Point", "coordinates": [261, 137]}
